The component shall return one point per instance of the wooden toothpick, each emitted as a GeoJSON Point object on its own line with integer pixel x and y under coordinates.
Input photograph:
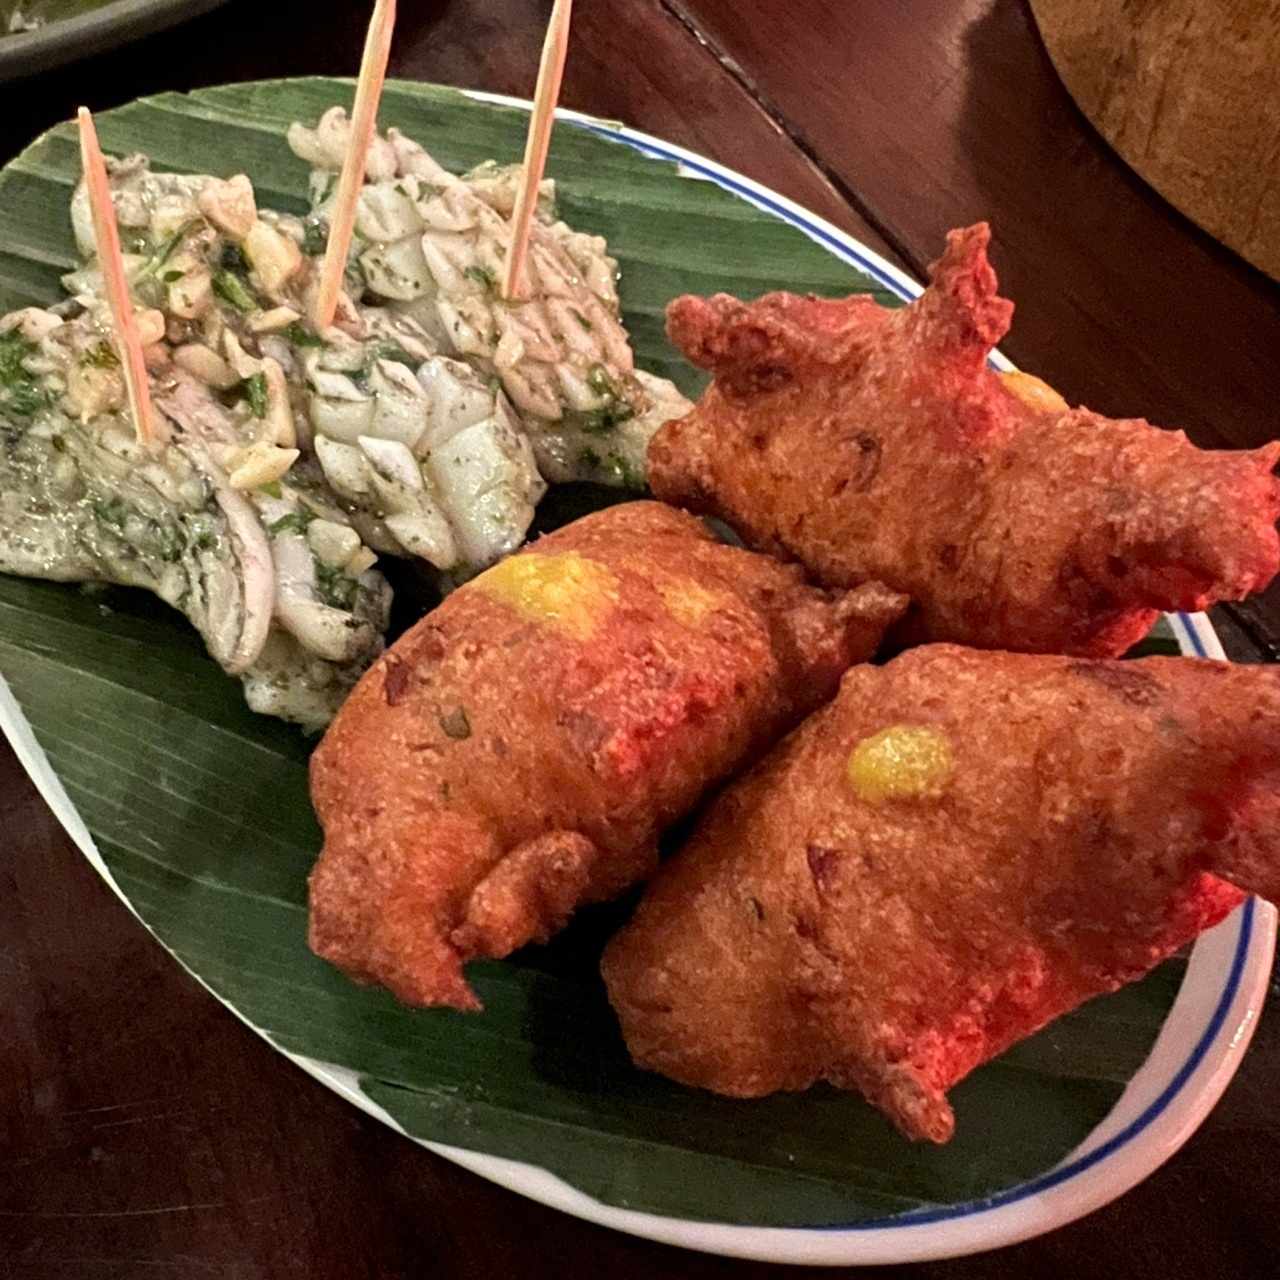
{"type": "Point", "coordinates": [550, 73]}
{"type": "Point", "coordinates": [106, 238]}
{"type": "Point", "coordinates": [364, 124]}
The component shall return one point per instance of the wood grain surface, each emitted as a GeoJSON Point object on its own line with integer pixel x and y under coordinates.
{"type": "Point", "coordinates": [1188, 92]}
{"type": "Point", "coordinates": [146, 1132]}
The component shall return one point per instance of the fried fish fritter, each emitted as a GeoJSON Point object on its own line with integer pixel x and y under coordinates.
{"type": "Point", "coordinates": [960, 848]}
{"type": "Point", "coordinates": [519, 750]}
{"type": "Point", "coordinates": [877, 444]}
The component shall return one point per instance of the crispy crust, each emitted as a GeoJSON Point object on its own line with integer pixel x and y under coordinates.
{"type": "Point", "coordinates": [876, 444]}
{"type": "Point", "coordinates": [806, 933]}
{"type": "Point", "coordinates": [497, 767]}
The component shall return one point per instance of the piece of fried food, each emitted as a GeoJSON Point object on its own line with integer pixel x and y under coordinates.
{"type": "Point", "coordinates": [871, 443]}
{"type": "Point", "coordinates": [963, 846]}
{"type": "Point", "coordinates": [519, 750]}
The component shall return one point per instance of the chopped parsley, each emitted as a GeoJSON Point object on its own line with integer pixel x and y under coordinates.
{"type": "Point", "coordinates": [483, 277]}
{"type": "Point", "coordinates": [621, 471]}
{"type": "Point", "coordinates": [601, 383]}
{"type": "Point", "coordinates": [172, 277]}
{"type": "Point", "coordinates": [391, 351]}
{"type": "Point", "coordinates": [255, 392]}
{"type": "Point", "coordinates": [21, 395]}
{"type": "Point", "coordinates": [599, 422]}
{"type": "Point", "coordinates": [165, 539]}
{"type": "Point", "coordinates": [169, 540]}
{"type": "Point", "coordinates": [102, 356]}
{"type": "Point", "coordinates": [14, 349]}
{"type": "Point", "coordinates": [294, 522]}
{"type": "Point", "coordinates": [112, 511]}
{"type": "Point", "coordinates": [614, 410]}
{"type": "Point", "coordinates": [385, 350]}
{"type": "Point", "coordinates": [584, 322]}
{"type": "Point", "coordinates": [25, 400]}
{"type": "Point", "coordinates": [203, 532]}
{"type": "Point", "coordinates": [336, 588]}
{"type": "Point", "coordinates": [300, 336]}
{"type": "Point", "coordinates": [230, 288]}
{"type": "Point", "coordinates": [169, 247]}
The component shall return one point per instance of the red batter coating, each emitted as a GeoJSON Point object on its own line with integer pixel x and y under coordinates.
{"type": "Point", "coordinates": [877, 444]}
{"type": "Point", "coordinates": [519, 750]}
{"type": "Point", "coordinates": [814, 930]}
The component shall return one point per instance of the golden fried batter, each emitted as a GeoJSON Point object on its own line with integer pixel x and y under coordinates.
{"type": "Point", "coordinates": [877, 444]}
{"type": "Point", "coordinates": [519, 750]}
{"type": "Point", "coordinates": [961, 847]}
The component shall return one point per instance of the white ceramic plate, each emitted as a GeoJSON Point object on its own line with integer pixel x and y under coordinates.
{"type": "Point", "coordinates": [1196, 1054]}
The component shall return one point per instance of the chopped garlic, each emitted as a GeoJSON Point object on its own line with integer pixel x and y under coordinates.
{"type": "Point", "coordinates": [151, 326]}
{"type": "Point", "coordinates": [272, 321]}
{"type": "Point", "coordinates": [260, 464]}
{"type": "Point", "coordinates": [275, 258]}
{"type": "Point", "coordinates": [230, 205]}
{"type": "Point", "coordinates": [192, 295]}
{"type": "Point", "coordinates": [334, 544]}
{"type": "Point", "coordinates": [280, 426]}
{"type": "Point", "coordinates": [207, 365]}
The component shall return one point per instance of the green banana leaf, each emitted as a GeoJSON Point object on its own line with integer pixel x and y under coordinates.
{"type": "Point", "coordinates": [201, 812]}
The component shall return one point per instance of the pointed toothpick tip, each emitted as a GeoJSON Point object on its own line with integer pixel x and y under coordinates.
{"type": "Point", "coordinates": [364, 124]}
{"type": "Point", "coordinates": [106, 236]}
{"type": "Point", "coordinates": [555, 48]}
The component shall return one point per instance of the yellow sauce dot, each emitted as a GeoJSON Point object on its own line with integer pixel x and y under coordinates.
{"type": "Point", "coordinates": [688, 602]}
{"type": "Point", "coordinates": [903, 762]}
{"type": "Point", "coordinates": [566, 591]}
{"type": "Point", "coordinates": [1034, 391]}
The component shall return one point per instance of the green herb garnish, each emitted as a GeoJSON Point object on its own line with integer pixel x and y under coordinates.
{"type": "Point", "coordinates": [102, 356]}
{"type": "Point", "coordinates": [21, 395]}
{"type": "Point", "coordinates": [614, 411]}
{"type": "Point", "coordinates": [300, 336]}
{"type": "Point", "coordinates": [169, 247]}
{"type": "Point", "coordinates": [294, 522]}
{"type": "Point", "coordinates": [25, 400]}
{"type": "Point", "coordinates": [336, 588]}
{"type": "Point", "coordinates": [483, 277]}
{"type": "Point", "coordinates": [230, 288]}
{"type": "Point", "coordinates": [14, 349]}
{"type": "Point", "coordinates": [584, 322]}
{"type": "Point", "coordinates": [624, 473]}
{"type": "Point", "coordinates": [169, 540]}
{"type": "Point", "coordinates": [601, 383]}
{"type": "Point", "coordinates": [172, 277]}
{"type": "Point", "coordinates": [203, 533]}
{"type": "Point", "coordinates": [391, 351]}
{"type": "Point", "coordinates": [599, 422]}
{"type": "Point", "coordinates": [255, 392]}
{"type": "Point", "coordinates": [112, 511]}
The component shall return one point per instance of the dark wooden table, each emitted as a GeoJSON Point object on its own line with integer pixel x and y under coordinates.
{"type": "Point", "coordinates": [146, 1133]}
